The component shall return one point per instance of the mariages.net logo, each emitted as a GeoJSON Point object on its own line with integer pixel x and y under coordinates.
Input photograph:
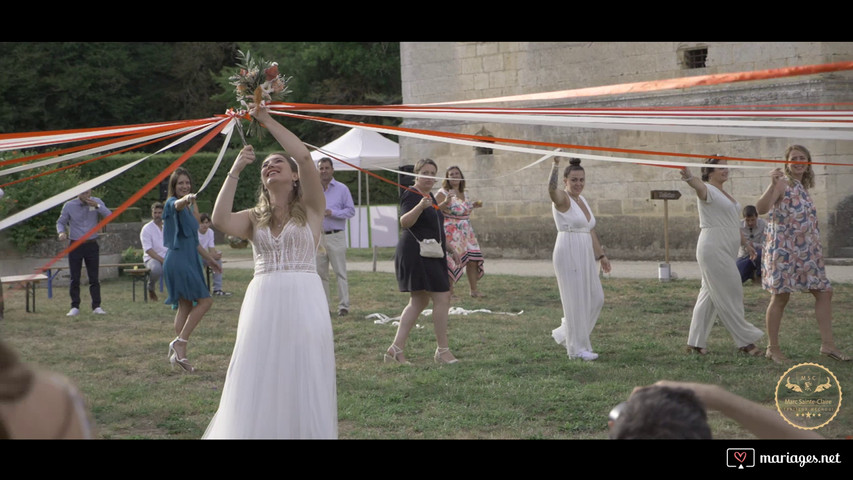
{"type": "Point", "coordinates": [742, 458]}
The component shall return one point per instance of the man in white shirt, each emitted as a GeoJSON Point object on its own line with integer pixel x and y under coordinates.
{"type": "Point", "coordinates": [206, 240]}
{"type": "Point", "coordinates": [153, 250]}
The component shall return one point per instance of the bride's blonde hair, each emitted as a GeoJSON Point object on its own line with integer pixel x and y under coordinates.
{"type": "Point", "coordinates": [262, 211]}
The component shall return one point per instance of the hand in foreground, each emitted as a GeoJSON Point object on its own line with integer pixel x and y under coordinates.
{"type": "Point", "coordinates": [605, 264]}
{"type": "Point", "coordinates": [752, 253]}
{"type": "Point", "coordinates": [761, 421]}
{"type": "Point", "coordinates": [775, 175]}
{"type": "Point", "coordinates": [259, 112]}
{"type": "Point", "coordinates": [214, 266]}
{"type": "Point", "coordinates": [704, 391]}
{"type": "Point", "coordinates": [778, 182]}
{"type": "Point", "coordinates": [425, 203]}
{"type": "Point", "coordinates": [245, 158]}
{"type": "Point", "coordinates": [447, 199]}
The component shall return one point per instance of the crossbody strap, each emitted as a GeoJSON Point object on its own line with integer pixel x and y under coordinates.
{"type": "Point", "coordinates": [437, 222]}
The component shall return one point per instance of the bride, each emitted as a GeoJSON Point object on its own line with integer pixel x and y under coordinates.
{"type": "Point", "coordinates": [281, 379]}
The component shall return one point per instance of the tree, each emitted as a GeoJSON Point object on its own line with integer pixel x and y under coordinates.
{"type": "Point", "coordinates": [331, 73]}
{"type": "Point", "coordinates": [68, 85]}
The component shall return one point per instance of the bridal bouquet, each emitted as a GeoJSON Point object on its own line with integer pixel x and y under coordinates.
{"type": "Point", "coordinates": [256, 82]}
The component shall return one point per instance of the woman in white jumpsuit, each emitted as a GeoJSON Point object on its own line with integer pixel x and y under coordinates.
{"type": "Point", "coordinates": [721, 294]}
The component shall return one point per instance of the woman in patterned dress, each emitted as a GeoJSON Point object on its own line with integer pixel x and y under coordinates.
{"type": "Point", "coordinates": [463, 249]}
{"type": "Point", "coordinates": [792, 260]}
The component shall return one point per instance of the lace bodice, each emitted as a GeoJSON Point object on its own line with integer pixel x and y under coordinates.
{"type": "Point", "coordinates": [293, 250]}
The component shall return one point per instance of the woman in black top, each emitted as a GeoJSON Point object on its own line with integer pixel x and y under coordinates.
{"type": "Point", "coordinates": [424, 277]}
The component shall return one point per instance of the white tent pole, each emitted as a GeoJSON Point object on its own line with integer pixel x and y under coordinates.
{"type": "Point", "coordinates": [367, 193]}
{"type": "Point", "coordinates": [359, 208]}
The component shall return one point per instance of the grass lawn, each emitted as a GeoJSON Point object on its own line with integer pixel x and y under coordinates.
{"type": "Point", "coordinates": [513, 381]}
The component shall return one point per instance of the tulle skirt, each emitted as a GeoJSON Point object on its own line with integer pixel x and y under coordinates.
{"type": "Point", "coordinates": [281, 380]}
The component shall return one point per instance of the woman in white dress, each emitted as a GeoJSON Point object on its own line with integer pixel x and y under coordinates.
{"type": "Point", "coordinates": [721, 293]}
{"type": "Point", "coordinates": [576, 253]}
{"type": "Point", "coordinates": [281, 379]}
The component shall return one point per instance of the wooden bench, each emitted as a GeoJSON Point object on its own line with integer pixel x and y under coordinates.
{"type": "Point", "coordinates": [28, 282]}
{"type": "Point", "coordinates": [53, 272]}
{"type": "Point", "coordinates": [139, 275]}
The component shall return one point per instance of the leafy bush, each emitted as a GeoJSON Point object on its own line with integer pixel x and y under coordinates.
{"type": "Point", "coordinates": [30, 192]}
{"type": "Point", "coordinates": [119, 189]}
{"type": "Point", "coordinates": [131, 255]}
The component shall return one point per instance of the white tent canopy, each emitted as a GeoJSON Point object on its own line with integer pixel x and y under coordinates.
{"type": "Point", "coordinates": [367, 150]}
{"type": "Point", "coordinates": [363, 148]}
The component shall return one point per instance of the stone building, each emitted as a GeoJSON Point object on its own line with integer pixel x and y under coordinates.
{"type": "Point", "coordinates": [516, 218]}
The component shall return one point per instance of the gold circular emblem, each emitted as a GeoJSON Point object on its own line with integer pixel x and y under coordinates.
{"type": "Point", "coordinates": [808, 396]}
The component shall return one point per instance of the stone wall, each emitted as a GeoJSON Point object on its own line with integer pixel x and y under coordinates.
{"type": "Point", "coordinates": [516, 218]}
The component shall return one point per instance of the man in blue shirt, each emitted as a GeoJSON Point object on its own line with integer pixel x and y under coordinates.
{"type": "Point", "coordinates": [339, 208]}
{"type": "Point", "coordinates": [78, 217]}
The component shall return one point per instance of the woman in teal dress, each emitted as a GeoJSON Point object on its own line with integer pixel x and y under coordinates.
{"type": "Point", "coordinates": [182, 268]}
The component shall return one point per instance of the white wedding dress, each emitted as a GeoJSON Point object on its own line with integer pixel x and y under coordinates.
{"type": "Point", "coordinates": [577, 278]}
{"type": "Point", "coordinates": [281, 380]}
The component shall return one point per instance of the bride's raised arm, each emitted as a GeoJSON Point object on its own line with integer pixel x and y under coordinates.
{"type": "Point", "coordinates": [309, 176]}
{"type": "Point", "coordinates": [238, 224]}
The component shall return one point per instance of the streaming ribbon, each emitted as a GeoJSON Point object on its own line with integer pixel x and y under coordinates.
{"type": "Point", "coordinates": [739, 121]}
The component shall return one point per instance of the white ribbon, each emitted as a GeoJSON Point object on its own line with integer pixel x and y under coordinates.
{"type": "Point", "coordinates": [382, 319]}
{"type": "Point", "coordinates": [647, 121]}
{"type": "Point", "coordinates": [41, 140]}
{"type": "Point", "coordinates": [228, 131]}
{"type": "Point", "coordinates": [91, 151]}
{"type": "Point", "coordinates": [90, 184]}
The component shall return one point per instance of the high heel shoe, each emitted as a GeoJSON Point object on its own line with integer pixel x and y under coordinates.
{"type": "Point", "coordinates": [392, 356]}
{"type": "Point", "coordinates": [173, 356]}
{"type": "Point", "coordinates": [441, 351]}
{"type": "Point", "coordinates": [775, 354]}
{"type": "Point", "coordinates": [835, 355]}
{"type": "Point", "coordinates": [750, 350]}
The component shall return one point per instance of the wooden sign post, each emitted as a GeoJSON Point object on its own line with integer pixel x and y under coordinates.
{"type": "Point", "coordinates": [665, 195]}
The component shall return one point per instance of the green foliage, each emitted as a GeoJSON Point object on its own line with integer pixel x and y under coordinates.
{"type": "Point", "coordinates": [64, 85]}
{"type": "Point", "coordinates": [28, 193]}
{"type": "Point", "coordinates": [131, 255]}
{"type": "Point", "coordinates": [333, 73]}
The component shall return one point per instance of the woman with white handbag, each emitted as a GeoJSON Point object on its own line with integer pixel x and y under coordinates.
{"type": "Point", "coordinates": [421, 265]}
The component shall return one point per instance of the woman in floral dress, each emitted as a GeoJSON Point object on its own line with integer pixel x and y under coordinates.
{"type": "Point", "coordinates": [464, 253]}
{"type": "Point", "coordinates": [792, 260]}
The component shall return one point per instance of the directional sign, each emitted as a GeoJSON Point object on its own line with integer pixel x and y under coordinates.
{"type": "Point", "coordinates": [666, 194]}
